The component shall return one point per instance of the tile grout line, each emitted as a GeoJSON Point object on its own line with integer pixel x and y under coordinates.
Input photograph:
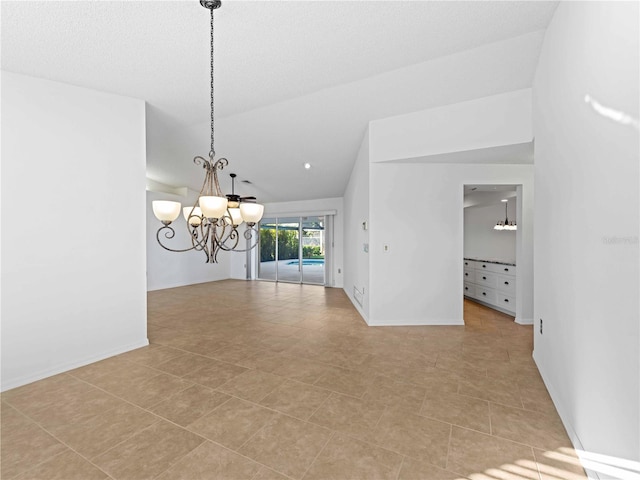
{"type": "Point", "coordinates": [333, 433]}
{"type": "Point", "coordinates": [404, 457]}
{"type": "Point", "coordinates": [332, 392]}
{"type": "Point", "coordinates": [319, 407]}
{"type": "Point", "coordinates": [159, 418]}
{"type": "Point", "coordinates": [446, 462]}
{"type": "Point", "coordinates": [490, 421]}
{"type": "Point", "coordinates": [88, 460]}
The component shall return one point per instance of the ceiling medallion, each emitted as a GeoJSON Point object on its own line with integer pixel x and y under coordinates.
{"type": "Point", "coordinates": [213, 221]}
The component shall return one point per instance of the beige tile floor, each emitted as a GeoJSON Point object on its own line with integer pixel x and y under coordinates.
{"type": "Point", "coordinates": [256, 380]}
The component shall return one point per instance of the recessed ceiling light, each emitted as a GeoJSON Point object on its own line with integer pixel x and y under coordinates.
{"type": "Point", "coordinates": [307, 166]}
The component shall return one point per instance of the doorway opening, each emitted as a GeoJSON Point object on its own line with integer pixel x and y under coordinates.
{"type": "Point", "coordinates": [490, 248]}
{"type": "Point", "coordinates": [292, 250]}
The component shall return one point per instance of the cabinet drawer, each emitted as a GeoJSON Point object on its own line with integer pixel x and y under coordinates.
{"type": "Point", "coordinates": [501, 269]}
{"type": "Point", "coordinates": [484, 266]}
{"type": "Point", "coordinates": [469, 274]}
{"type": "Point", "coordinates": [485, 279]}
{"type": "Point", "coordinates": [486, 294]}
{"type": "Point", "coordinates": [469, 289]}
{"type": "Point", "coordinates": [505, 301]}
{"type": "Point", "coordinates": [506, 284]}
{"type": "Point", "coordinates": [470, 264]}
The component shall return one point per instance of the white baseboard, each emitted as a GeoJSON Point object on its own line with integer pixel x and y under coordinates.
{"type": "Point", "coordinates": [524, 321]}
{"type": "Point", "coordinates": [490, 305]}
{"type": "Point", "coordinates": [49, 372]}
{"type": "Point", "coordinates": [357, 306]}
{"type": "Point", "coordinates": [564, 416]}
{"type": "Point", "coordinates": [418, 322]}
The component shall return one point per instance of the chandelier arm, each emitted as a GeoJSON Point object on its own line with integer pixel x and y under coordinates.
{"type": "Point", "coordinates": [206, 232]}
{"type": "Point", "coordinates": [223, 227]}
{"type": "Point", "coordinates": [233, 237]}
{"type": "Point", "coordinates": [248, 236]}
{"type": "Point", "coordinates": [215, 246]}
{"type": "Point", "coordinates": [206, 164]}
{"type": "Point", "coordinates": [218, 165]}
{"type": "Point", "coordinates": [201, 161]}
{"type": "Point", "coordinates": [200, 244]}
{"type": "Point", "coordinates": [169, 234]}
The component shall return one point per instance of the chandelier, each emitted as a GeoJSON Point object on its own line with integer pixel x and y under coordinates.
{"type": "Point", "coordinates": [213, 221]}
{"type": "Point", "coordinates": [506, 225]}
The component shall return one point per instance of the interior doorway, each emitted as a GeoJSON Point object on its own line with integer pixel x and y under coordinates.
{"type": "Point", "coordinates": [490, 252]}
{"type": "Point", "coordinates": [292, 249]}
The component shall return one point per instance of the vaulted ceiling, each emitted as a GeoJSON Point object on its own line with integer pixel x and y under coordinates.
{"type": "Point", "coordinates": [296, 81]}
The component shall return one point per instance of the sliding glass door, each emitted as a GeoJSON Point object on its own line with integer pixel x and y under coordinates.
{"type": "Point", "coordinates": [292, 250]}
{"type": "Point", "coordinates": [268, 250]}
{"type": "Point", "coordinates": [313, 250]}
{"type": "Point", "coordinates": [289, 269]}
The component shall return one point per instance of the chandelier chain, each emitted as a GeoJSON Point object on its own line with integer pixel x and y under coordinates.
{"type": "Point", "coordinates": [212, 152]}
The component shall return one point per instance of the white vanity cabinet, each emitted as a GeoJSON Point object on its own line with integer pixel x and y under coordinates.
{"type": "Point", "coordinates": [492, 283]}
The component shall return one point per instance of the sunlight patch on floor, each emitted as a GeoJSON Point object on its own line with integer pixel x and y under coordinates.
{"type": "Point", "coordinates": [610, 467]}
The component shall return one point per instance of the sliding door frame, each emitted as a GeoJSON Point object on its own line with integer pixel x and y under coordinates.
{"type": "Point", "coordinates": [300, 219]}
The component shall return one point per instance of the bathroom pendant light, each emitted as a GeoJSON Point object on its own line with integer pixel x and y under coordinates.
{"type": "Point", "coordinates": [506, 225]}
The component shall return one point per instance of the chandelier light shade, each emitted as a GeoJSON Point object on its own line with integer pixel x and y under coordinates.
{"type": "Point", "coordinates": [193, 215]}
{"type": "Point", "coordinates": [236, 216]}
{"type": "Point", "coordinates": [213, 207]}
{"type": "Point", "coordinates": [166, 211]}
{"type": "Point", "coordinates": [506, 225]}
{"type": "Point", "coordinates": [251, 212]}
{"type": "Point", "coordinates": [213, 221]}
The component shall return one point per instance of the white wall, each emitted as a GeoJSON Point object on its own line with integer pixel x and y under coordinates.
{"type": "Point", "coordinates": [73, 246]}
{"type": "Point", "coordinates": [419, 279]}
{"type": "Point", "coordinates": [416, 208]}
{"type": "Point", "coordinates": [302, 208]}
{"type": "Point", "coordinates": [487, 122]}
{"type": "Point", "coordinates": [356, 238]}
{"type": "Point", "coordinates": [170, 269]}
{"type": "Point", "coordinates": [586, 211]}
{"type": "Point", "coordinates": [481, 240]}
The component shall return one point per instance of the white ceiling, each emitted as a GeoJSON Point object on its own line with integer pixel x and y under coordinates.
{"type": "Point", "coordinates": [296, 81]}
{"type": "Point", "coordinates": [484, 195]}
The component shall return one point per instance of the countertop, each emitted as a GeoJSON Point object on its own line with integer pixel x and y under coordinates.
{"type": "Point", "coordinates": [499, 262]}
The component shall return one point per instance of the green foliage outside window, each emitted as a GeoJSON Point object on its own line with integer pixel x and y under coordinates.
{"type": "Point", "coordinates": [312, 251]}
{"type": "Point", "coordinates": [287, 246]}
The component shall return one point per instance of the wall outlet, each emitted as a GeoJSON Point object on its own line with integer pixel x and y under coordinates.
{"type": "Point", "coordinates": [385, 248]}
{"type": "Point", "coordinates": [339, 270]}
{"type": "Point", "coordinates": [540, 326]}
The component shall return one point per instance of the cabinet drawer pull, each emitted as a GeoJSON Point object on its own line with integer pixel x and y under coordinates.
{"type": "Point", "coordinates": [466, 288]}
{"type": "Point", "coordinates": [484, 266]}
{"type": "Point", "coordinates": [506, 283]}
{"type": "Point", "coordinates": [466, 274]}
{"type": "Point", "coordinates": [506, 300]}
{"type": "Point", "coordinates": [506, 269]}
{"type": "Point", "coordinates": [484, 293]}
{"type": "Point", "coordinates": [466, 263]}
{"type": "Point", "coordinates": [484, 278]}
